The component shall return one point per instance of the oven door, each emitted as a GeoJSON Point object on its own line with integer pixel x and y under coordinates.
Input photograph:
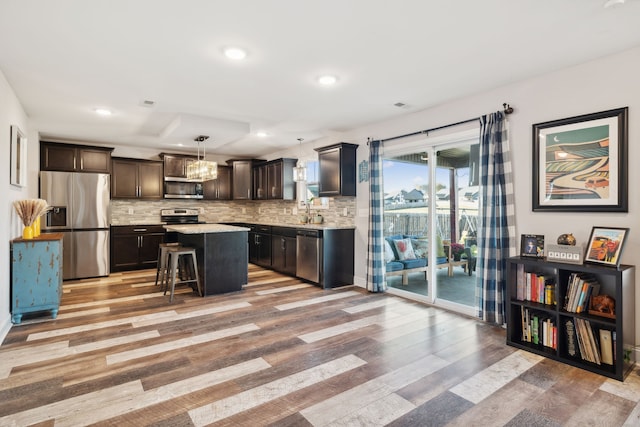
{"type": "Point", "coordinates": [183, 190]}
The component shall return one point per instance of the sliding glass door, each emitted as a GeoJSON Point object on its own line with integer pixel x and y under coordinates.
{"type": "Point", "coordinates": [431, 201]}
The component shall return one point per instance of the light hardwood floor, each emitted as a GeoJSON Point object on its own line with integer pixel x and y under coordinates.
{"type": "Point", "coordinates": [284, 353]}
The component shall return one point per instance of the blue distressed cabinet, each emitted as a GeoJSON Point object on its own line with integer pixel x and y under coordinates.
{"type": "Point", "coordinates": [36, 275]}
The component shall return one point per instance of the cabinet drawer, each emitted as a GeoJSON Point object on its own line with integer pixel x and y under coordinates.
{"type": "Point", "coordinates": [283, 231]}
{"type": "Point", "coordinates": [136, 229]}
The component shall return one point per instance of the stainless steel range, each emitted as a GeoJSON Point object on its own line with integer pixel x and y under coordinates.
{"type": "Point", "coordinates": [180, 216]}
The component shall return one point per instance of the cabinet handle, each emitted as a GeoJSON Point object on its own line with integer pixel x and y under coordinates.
{"type": "Point", "coordinates": [74, 162]}
{"type": "Point", "coordinates": [140, 229]}
{"type": "Point", "coordinates": [248, 193]}
{"type": "Point", "coordinates": [81, 163]}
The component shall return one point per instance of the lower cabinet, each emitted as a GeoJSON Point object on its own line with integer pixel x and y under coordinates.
{"type": "Point", "coordinates": [275, 247]}
{"type": "Point", "coordinates": [135, 247]}
{"type": "Point", "coordinates": [36, 275]}
{"type": "Point", "coordinates": [283, 250]}
{"type": "Point", "coordinates": [260, 245]}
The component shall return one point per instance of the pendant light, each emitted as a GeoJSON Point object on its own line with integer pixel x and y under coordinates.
{"type": "Point", "coordinates": [202, 170]}
{"type": "Point", "coordinates": [300, 171]}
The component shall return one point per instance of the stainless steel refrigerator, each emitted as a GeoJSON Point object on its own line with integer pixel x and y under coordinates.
{"type": "Point", "coordinates": [80, 210]}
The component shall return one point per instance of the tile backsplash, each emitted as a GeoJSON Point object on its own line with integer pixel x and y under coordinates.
{"type": "Point", "coordinates": [127, 212]}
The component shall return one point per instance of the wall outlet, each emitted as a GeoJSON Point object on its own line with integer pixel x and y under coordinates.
{"type": "Point", "coordinates": [285, 211]}
{"type": "Point", "coordinates": [130, 211]}
{"type": "Point", "coordinates": [244, 210]}
{"type": "Point", "coordinates": [294, 211]}
{"type": "Point", "coordinates": [345, 212]}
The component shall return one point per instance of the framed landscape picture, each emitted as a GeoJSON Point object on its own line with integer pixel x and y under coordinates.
{"type": "Point", "coordinates": [580, 163]}
{"type": "Point", "coordinates": [605, 245]}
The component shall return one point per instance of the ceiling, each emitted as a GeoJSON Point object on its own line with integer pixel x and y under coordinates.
{"type": "Point", "coordinates": [65, 58]}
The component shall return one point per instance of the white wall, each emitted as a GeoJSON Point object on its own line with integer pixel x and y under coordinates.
{"type": "Point", "coordinates": [599, 85]}
{"type": "Point", "coordinates": [11, 113]}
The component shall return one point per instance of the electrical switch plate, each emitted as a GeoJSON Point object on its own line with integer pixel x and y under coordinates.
{"type": "Point", "coordinates": [345, 212]}
{"type": "Point", "coordinates": [285, 211]}
{"type": "Point", "coordinates": [244, 210]}
{"type": "Point", "coordinates": [130, 211]}
{"type": "Point", "coordinates": [294, 211]}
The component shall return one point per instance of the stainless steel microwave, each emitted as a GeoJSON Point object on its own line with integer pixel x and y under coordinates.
{"type": "Point", "coordinates": [183, 190]}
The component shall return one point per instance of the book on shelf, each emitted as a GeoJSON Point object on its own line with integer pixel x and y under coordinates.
{"type": "Point", "coordinates": [583, 343]}
{"type": "Point", "coordinates": [580, 288]}
{"type": "Point", "coordinates": [572, 341]}
{"type": "Point", "coordinates": [606, 346]}
{"type": "Point", "coordinates": [535, 331]}
{"type": "Point", "coordinates": [520, 282]}
{"type": "Point", "coordinates": [538, 329]}
{"type": "Point", "coordinates": [588, 343]}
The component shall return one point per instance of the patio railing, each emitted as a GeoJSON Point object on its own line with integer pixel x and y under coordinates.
{"type": "Point", "coordinates": [416, 224]}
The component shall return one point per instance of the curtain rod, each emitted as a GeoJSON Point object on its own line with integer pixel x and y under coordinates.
{"type": "Point", "coordinates": [507, 110]}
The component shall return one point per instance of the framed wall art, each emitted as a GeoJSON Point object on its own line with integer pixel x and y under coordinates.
{"type": "Point", "coordinates": [18, 157]}
{"type": "Point", "coordinates": [605, 245]}
{"type": "Point", "coordinates": [580, 163]}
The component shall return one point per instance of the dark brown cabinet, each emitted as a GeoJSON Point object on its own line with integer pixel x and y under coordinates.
{"type": "Point", "coordinates": [74, 158]}
{"type": "Point", "coordinates": [283, 250]}
{"type": "Point", "coordinates": [260, 183]}
{"type": "Point", "coordinates": [220, 188]}
{"type": "Point", "coordinates": [274, 180]}
{"type": "Point", "coordinates": [135, 247]}
{"type": "Point", "coordinates": [175, 165]}
{"type": "Point", "coordinates": [260, 245]}
{"type": "Point", "coordinates": [337, 170]}
{"type": "Point", "coordinates": [242, 178]}
{"type": "Point", "coordinates": [136, 179]}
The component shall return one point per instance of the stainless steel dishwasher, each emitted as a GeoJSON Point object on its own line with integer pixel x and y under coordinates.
{"type": "Point", "coordinates": [309, 254]}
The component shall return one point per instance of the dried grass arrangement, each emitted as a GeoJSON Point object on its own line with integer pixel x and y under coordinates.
{"type": "Point", "coordinates": [30, 209]}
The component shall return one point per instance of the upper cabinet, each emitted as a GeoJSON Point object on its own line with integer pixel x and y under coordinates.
{"type": "Point", "coordinates": [242, 178]}
{"type": "Point", "coordinates": [273, 180]}
{"type": "Point", "coordinates": [220, 188]}
{"type": "Point", "coordinates": [175, 165]}
{"type": "Point", "coordinates": [337, 170]}
{"type": "Point", "coordinates": [136, 179]}
{"type": "Point", "coordinates": [74, 158]}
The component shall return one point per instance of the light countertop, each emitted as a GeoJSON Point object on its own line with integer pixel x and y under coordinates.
{"type": "Point", "coordinates": [204, 228]}
{"type": "Point", "coordinates": [308, 226]}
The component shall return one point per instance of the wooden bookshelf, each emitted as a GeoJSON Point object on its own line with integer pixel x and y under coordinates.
{"type": "Point", "coordinates": [542, 325]}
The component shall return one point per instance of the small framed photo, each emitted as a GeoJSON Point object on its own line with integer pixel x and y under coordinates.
{"type": "Point", "coordinates": [18, 158]}
{"type": "Point", "coordinates": [605, 245]}
{"type": "Point", "coordinates": [532, 245]}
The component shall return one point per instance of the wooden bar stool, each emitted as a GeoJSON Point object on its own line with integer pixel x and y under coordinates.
{"type": "Point", "coordinates": [188, 273]}
{"type": "Point", "coordinates": [162, 264]}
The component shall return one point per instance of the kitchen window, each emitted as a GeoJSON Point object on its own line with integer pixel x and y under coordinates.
{"type": "Point", "coordinates": [308, 191]}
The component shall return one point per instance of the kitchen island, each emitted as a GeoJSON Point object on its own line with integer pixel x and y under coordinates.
{"type": "Point", "coordinates": [222, 254]}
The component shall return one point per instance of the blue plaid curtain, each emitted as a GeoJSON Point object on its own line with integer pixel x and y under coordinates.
{"type": "Point", "coordinates": [375, 249]}
{"type": "Point", "coordinates": [496, 239]}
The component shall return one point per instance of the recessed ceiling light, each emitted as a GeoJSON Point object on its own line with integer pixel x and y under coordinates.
{"type": "Point", "coordinates": [262, 134]}
{"type": "Point", "coordinates": [235, 53]}
{"type": "Point", "coordinates": [327, 80]}
{"type": "Point", "coordinates": [102, 111]}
